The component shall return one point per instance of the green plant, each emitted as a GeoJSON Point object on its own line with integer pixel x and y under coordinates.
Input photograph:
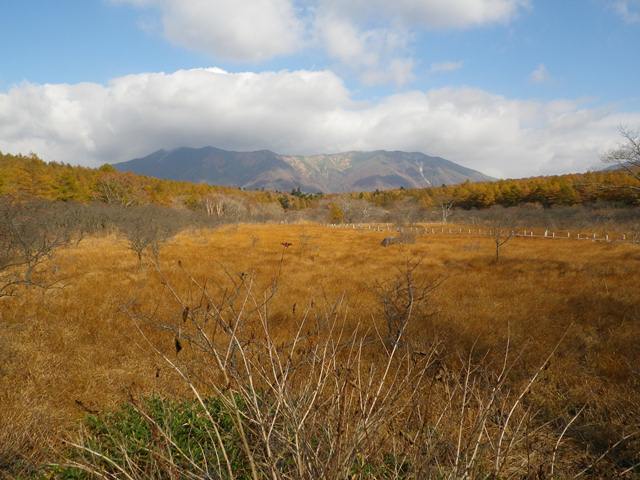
{"type": "Point", "coordinates": [155, 435]}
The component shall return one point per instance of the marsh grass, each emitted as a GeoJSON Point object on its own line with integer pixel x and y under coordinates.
{"type": "Point", "coordinates": [327, 403]}
{"type": "Point", "coordinates": [105, 339]}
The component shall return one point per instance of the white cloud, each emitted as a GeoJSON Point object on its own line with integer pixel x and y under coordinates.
{"type": "Point", "coordinates": [369, 53]}
{"type": "Point", "coordinates": [431, 13]}
{"type": "Point", "coordinates": [300, 112]}
{"type": "Point", "coordinates": [244, 30]}
{"type": "Point", "coordinates": [371, 38]}
{"type": "Point", "coordinates": [380, 54]}
{"type": "Point", "coordinates": [445, 67]}
{"type": "Point", "coordinates": [540, 74]}
{"type": "Point", "coordinates": [629, 10]}
{"type": "Point", "coordinates": [398, 71]}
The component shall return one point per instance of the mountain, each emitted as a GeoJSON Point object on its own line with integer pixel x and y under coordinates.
{"type": "Point", "coordinates": [339, 172]}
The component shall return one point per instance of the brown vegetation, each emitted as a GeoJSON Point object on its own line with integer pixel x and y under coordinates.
{"type": "Point", "coordinates": [28, 176]}
{"type": "Point", "coordinates": [70, 351]}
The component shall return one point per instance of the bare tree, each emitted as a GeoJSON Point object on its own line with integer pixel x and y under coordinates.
{"type": "Point", "coordinates": [446, 207]}
{"type": "Point", "coordinates": [225, 208]}
{"type": "Point", "coordinates": [501, 236]}
{"type": "Point", "coordinates": [264, 212]}
{"type": "Point", "coordinates": [234, 209]}
{"type": "Point", "coordinates": [357, 210]}
{"type": "Point", "coordinates": [406, 211]}
{"type": "Point", "coordinates": [444, 204]}
{"type": "Point", "coordinates": [501, 232]}
{"type": "Point", "coordinates": [214, 205]}
{"type": "Point", "coordinates": [147, 227]}
{"type": "Point", "coordinates": [118, 189]}
{"type": "Point", "coordinates": [30, 232]}
{"type": "Point", "coordinates": [627, 154]}
{"type": "Point", "coordinates": [627, 157]}
{"type": "Point", "coordinates": [401, 298]}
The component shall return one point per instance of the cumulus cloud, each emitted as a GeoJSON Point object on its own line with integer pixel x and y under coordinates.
{"type": "Point", "coordinates": [369, 53]}
{"type": "Point", "coordinates": [371, 38]}
{"type": "Point", "coordinates": [431, 13]}
{"type": "Point", "coordinates": [380, 54]}
{"type": "Point", "coordinates": [540, 74]}
{"type": "Point", "coordinates": [300, 112]}
{"type": "Point", "coordinates": [247, 30]}
{"type": "Point", "coordinates": [629, 10]}
{"type": "Point", "coordinates": [445, 67]}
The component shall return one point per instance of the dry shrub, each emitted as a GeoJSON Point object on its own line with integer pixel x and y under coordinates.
{"type": "Point", "coordinates": [30, 233]}
{"type": "Point", "coordinates": [328, 402]}
{"type": "Point", "coordinates": [78, 344]}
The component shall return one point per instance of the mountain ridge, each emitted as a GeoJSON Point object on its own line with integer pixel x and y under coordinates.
{"type": "Point", "coordinates": [328, 173]}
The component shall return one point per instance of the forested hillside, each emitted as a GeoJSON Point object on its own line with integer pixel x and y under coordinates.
{"type": "Point", "coordinates": [30, 176]}
{"type": "Point", "coordinates": [575, 189]}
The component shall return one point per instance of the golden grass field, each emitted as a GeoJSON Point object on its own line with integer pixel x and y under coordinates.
{"type": "Point", "coordinates": [71, 350]}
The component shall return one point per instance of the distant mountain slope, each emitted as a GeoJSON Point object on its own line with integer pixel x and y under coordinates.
{"type": "Point", "coordinates": [23, 177]}
{"type": "Point", "coordinates": [340, 172]}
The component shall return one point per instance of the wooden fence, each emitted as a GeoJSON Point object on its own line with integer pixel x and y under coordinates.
{"type": "Point", "coordinates": [431, 229]}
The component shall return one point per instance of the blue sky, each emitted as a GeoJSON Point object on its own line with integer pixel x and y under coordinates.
{"type": "Point", "coordinates": [529, 68]}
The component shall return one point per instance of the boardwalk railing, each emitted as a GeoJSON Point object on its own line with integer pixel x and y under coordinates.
{"type": "Point", "coordinates": [458, 230]}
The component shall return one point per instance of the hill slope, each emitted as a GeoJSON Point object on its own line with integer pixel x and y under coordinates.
{"type": "Point", "coordinates": [28, 177]}
{"type": "Point", "coordinates": [340, 172]}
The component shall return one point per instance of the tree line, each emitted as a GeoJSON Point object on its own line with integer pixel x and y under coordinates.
{"type": "Point", "coordinates": [614, 186]}
{"type": "Point", "coordinates": [30, 177]}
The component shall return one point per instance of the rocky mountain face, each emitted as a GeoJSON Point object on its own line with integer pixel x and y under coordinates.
{"type": "Point", "coordinates": [338, 172]}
